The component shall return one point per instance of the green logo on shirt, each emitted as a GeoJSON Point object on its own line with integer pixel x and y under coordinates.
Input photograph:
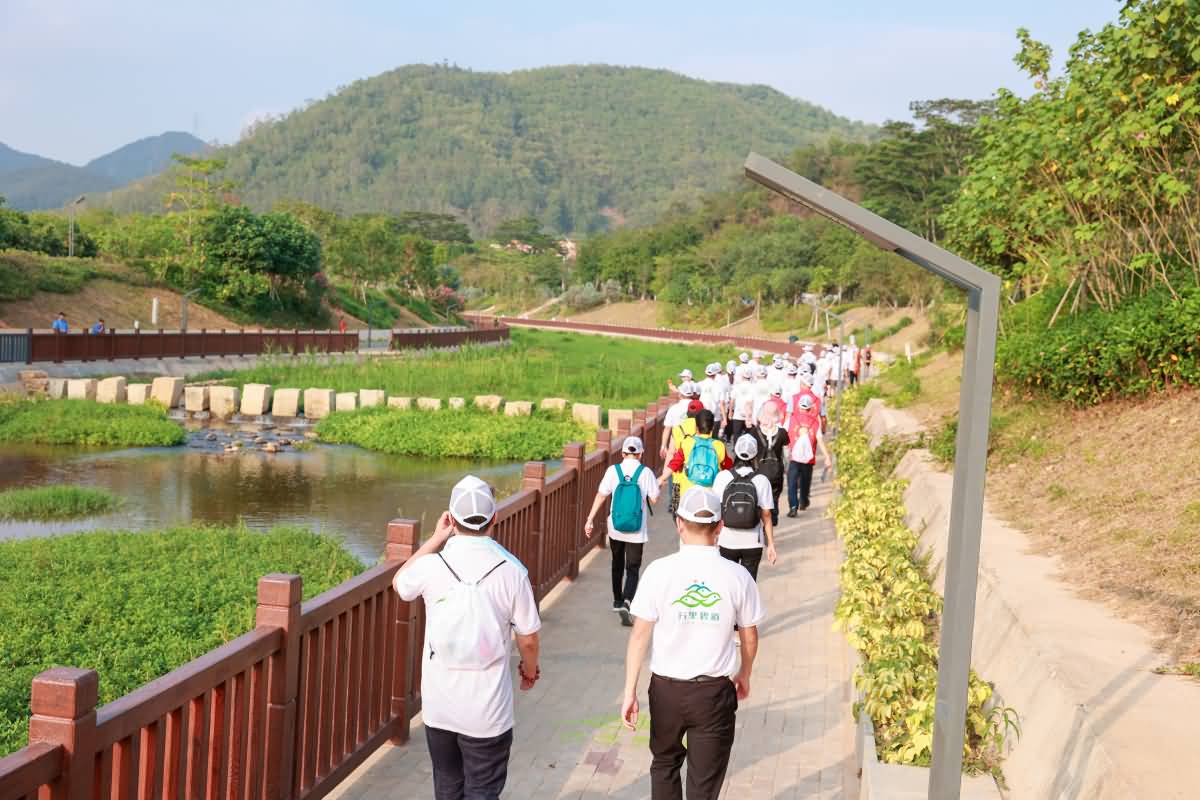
{"type": "Point", "coordinates": [698, 596]}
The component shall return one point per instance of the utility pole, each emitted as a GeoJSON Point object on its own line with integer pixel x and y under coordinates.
{"type": "Point", "coordinates": [71, 224]}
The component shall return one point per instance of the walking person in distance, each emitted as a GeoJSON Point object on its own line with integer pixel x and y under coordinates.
{"type": "Point", "coordinates": [747, 502]}
{"type": "Point", "coordinates": [685, 610]}
{"type": "Point", "coordinates": [771, 442]}
{"type": "Point", "coordinates": [631, 485]}
{"type": "Point", "coordinates": [806, 439]}
{"type": "Point", "coordinates": [476, 596]}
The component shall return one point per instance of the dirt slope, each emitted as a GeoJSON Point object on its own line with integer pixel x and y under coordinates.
{"type": "Point", "coordinates": [119, 304]}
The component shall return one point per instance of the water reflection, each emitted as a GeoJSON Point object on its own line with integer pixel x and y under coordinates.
{"type": "Point", "coordinates": [334, 489]}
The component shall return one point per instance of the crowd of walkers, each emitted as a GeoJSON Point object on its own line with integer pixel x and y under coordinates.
{"type": "Point", "coordinates": [730, 443]}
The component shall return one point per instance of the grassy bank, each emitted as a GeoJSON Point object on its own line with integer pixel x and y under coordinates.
{"type": "Point", "coordinates": [612, 371]}
{"type": "Point", "coordinates": [55, 502]}
{"type": "Point", "coordinates": [85, 422]}
{"type": "Point", "coordinates": [134, 606]}
{"type": "Point", "coordinates": [466, 433]}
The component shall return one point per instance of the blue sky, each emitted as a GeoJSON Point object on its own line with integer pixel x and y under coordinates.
{"type": "Point", "coordinates": [81, 77]}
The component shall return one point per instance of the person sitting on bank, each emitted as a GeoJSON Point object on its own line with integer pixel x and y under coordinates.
{"type": "Point", "coordinates": [60, 323]}
{"type": "Point", "coordinates": [685, 610]}
{"type": "Point", "coordinates": [466, 688]}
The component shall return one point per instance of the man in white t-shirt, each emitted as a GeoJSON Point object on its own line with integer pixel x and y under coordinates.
{"type": "Point", "coordinates": [685, 611]}
{"type": "Point", "coordinates": [725, 386]}
{"type": "Point", "coordinates": [745, 495]}
{"type": "Point", "coordinates": [468, 712]}
{"type": "Point", "coordinates": [635, 478]}
{"type": "Point", "coordinates": [741, 402]}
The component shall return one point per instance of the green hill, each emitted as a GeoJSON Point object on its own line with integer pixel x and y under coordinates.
{"type": "Point", "coordinates": [580, 147]}
{"type": "Point", "coordinates": [144, 157]}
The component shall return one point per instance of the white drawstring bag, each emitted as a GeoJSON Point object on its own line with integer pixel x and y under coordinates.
{"type": "Point", "coordinates": [463, 630]}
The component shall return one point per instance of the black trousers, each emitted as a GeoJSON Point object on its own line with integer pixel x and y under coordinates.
{"type": "Point", "coordinates": [704, 712]}
{"type": "Point", "coordinates": [799, 477]}
{"type": "Point", "coordinates": [466, 768]}
{"type": "Point", "coordinates": [733, 429]}
{"type": "Point", "coordinates": [776, 491]}
{"type": "Point", "coordinates": [749, 558]}
{"type": "Point", "coordinates": [626, 564]}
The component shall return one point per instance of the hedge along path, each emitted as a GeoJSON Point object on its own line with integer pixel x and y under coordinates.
{"type": "Point", "coordinates": [794, 733]}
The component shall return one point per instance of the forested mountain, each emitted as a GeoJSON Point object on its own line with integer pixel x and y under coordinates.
{"type": "Point", "coordinates": [582, 148]}
{"type": "Point", "coordinates": [148, 156]}
{"type": "Point", "coordinates": [12, 160]}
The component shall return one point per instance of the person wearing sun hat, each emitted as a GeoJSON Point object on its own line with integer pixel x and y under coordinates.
{"type": "Point", "coordinates": [466, 691]}
{"type": "Point", "coordinates": [685, 611]}
{"type": "Point", "coordinates": [685, 376]}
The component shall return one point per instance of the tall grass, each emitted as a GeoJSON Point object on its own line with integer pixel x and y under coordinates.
{"type": "Point", "coordinates": [86, 422]}
{"type": "Point", "coordinates": [612, 371]}
{"type": "Point", "coordinates": [136, 605]}
{"type": "Point", "coordinates": [55, 502]}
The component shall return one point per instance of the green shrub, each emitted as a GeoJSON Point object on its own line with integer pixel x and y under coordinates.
{"type": "Point", "coordinates": [85, 422]}
{"type": "Point", "coordinates": [891, 615]}
{"type": "Point", "coordinates": [55, 502]}
{"type": "Point", "coordinates": [1145, 345]}
{"type": "Point", "coordinates": [468, 433]}
{"type": "Point", "coordinates": [135, 605]}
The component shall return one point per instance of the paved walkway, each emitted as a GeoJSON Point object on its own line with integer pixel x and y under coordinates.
{"type": "Point", "coordinates": [794, 733]}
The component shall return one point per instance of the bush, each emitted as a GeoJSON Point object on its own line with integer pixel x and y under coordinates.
{"type": "Point", "coordinates": [85, 422]}
{"type": "Point", "coordinates": [466, 433]}
{"type": "Point", "coordinates": [55, 502]}
{"type": "Point", "coordinates": [1147, 344]}
{"type": "Point", "coordinates": [891, 615]}
{"type": "Point", "coordinates": [135, 605]}
{"type": "Point", "coordinates": [582, 297]}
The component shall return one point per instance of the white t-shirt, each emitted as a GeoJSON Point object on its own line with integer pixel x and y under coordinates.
{"type": "Point", "coordinates": [710, 396]}
{"type": "Point", "coordinates": [476, 703]}
{"type": "Point", "coordinates": [646, 483]}
{"type": "Point", "coordinates": [694, 598]}
{"type": "Point", "coordinates": [676, 414]}
{"type": "Point", "coordinates": [735, 538]}
{"type": "Point", "coordinates": [743, 400]}
{"type": "Point", "coordinates": [724, 387]}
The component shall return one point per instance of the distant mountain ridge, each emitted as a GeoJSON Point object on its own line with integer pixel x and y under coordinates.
{"type": "Point", "coordinates": [31, 182]}
{"type": "Point", "coordinates": [579, 147]}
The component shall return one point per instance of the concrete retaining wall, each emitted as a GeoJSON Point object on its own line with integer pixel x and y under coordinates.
{"type": "Point", "coordinates": [1097, 723]}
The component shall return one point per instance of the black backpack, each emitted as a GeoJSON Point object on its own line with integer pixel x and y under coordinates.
{"type": "Point", "coordinates": [769, 464]}
{"type": "Point", "coordinates": [739, 504]}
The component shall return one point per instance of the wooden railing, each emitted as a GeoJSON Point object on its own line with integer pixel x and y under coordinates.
{"type": "Point", "coordinates": [447, 337]}
{"type": "Point", "coordinates": [289, 709]}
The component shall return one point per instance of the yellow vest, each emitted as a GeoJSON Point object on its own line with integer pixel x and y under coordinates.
{"type": "Point", "coordinates": [681, 478]}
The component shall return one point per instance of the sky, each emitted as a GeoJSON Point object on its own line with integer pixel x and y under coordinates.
{"type": "Point", "coordinates": [79, 78]}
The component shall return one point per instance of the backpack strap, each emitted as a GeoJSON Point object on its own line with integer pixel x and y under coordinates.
{"type": "Point", "coordinates": [452, 572]}
{"type": "Point", "coordinates": [490, 571]}
{"type": "Point", "coordinates": [637, 473]}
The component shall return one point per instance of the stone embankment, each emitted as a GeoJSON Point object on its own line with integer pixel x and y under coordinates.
{"type": "Point", "coordinates": [259, 400]}
{"type": "Point", "coordinates": [1096, 722]}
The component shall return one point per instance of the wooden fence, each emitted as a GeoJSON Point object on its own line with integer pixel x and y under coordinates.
{"type": "Point", "coordinates": [288, 710]}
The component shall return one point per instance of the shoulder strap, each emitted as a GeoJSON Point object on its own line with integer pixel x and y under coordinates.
{"type": "Point", "coordinates": [628, 478]}
{"type": "Point", "coordinates": [452, 572]}
{"type": "Point", "coordinates": [637, 473]}
{"type": "Point", "coordinates": [490, 571]}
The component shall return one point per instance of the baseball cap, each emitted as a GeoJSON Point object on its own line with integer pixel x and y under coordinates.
{"type": "Point", "coordinates": [762, 370]}
{"type": "Point", "coordinates": [744, 357]}
{"type": "Point", "coordinates": [633, 445]}
{"type": "Point", "coordinates": [686, 374]}
{"type": "Point", "coordinates": [792, 369]}
{"type": "Point", "coordinates": [472, 503]}
{"type": "Point", "coordinates": [700, 504]}
{"type": "Point", "coordinates": [805, 401]}
{"type": "Point", "coordinates": [777, 361]}
{"type": "Point", "coordinates": [758, 353]}
{"type": "Point", "coordinates": [712, 369]}
{"type": "Point", "coordinates": [746, 447]}
{"type": "Point", "coordinates": [731, 366]}
{"type": "Point", "coordinates": [695, 406]}
{"type": "Point", "coordinates": [687, 389]}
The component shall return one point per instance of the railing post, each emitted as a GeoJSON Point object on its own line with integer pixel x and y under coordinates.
{"type": "Point", "coordinates": [64, 713]}
{"type": "Point", "coordinates": [534, 477]}
{"type": "Point", "coordinates": [203, 342]}
{"type": "Point", "coordinates": [403, 537]}
{"type": "Point", "coordinates": [295, 341]}
{"type": "Point", "coordinates": [29, 345]}
{"type": "Point", "coordinates": [241, 342]}
{"type": "Point", "coordinates": [623, 427]}
{"type": "Point", "coordinates": [653, 436]}
{"type": "Point", "coordinates": [112, 345]}
{"type": "Point", "coordinates": [279, 607]}
{"type": "Point", "coordinates": [573, 455]}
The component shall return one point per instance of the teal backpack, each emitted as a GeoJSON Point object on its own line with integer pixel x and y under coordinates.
{"type": "Point", "coordinates": [627, 502]}
{"type": "Point", "coordinates": [702, 466]}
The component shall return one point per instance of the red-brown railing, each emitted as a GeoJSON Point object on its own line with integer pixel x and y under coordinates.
{"type": "Point", "coordinates": [447, 337]}
{"type": "Point", "coordinates": [289, 709]}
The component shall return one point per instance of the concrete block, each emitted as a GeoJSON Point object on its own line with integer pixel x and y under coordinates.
{"type": "Point", "coordinates": [167, 392]}
{"type": "Point", "coordinates": [399, 402]}
{"type": "Point", "coordinates": [616, 415]}
{"type": "Point", "coordinates": [518, 408]}
{"type": "Point", "coordinates": [457, 402]}
{"type": "Point", "coordinates": [223, 401]}
{"type": "Point", "coordinates": [256, 399]}
{"type": "Point", "coordinates": [429, 403]}
{"type": "Point", "coordinates": [136, 394]}
{"type": "Point", "coordinates": [553, 404]}
{"type": "Point", "coordinates": [346, 401]}
{"type": "Point", "coordinates": [318, 403]}
{"type": "Point", "coordinates": [369, 398]}
{"type": "Point", "coordinates": [587, 413]}
{"type": "Point", "coordinates": [195, 398]}
{"type": "Point", "coordinates": [286, 403]}
{"type": "Point", "coordinates": [56, 389]}
{"type": "Point", "coordinates": [489, 402]}
{"type": "Point", "coordinates": [111, 390]}
{"type": "Point", "coordinates": [81, 389]}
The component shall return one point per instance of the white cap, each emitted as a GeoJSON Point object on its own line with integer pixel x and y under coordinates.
{"type": "Point", "coordinates": [688, 389]}
{"type": "Point", "coordinates": [808, 348]}
{"type": "Point", "coordinates": [700, 504]}
{"type": "Point", "coordinates": [758, 353]}
{"type": "Point", "coordinates": [472, 503]}
{"type": "Point", "coordinates": [793, 369]}
{"type": "Point", "coordinates": [633, 445]}
{"type": "Point", "coordinates": [730, 365]}
{"type": "Point", "coordinates": [712, 369]}
{"type": "Point", "coordinates": [686, 374]}
{"type": "Point", "coordinates": [777, 391]}
{"type": "Point", "coordinates": [745, 372]}
{"type": "Point", "coordinates": [762, 370]}
{"type": "Point", "coordinates": [805, 401]}
{"type": "Point", "coordinates": [777, 361]}
{"type": "Point", "coordinates": [744, 358]}
{"type": "Point", "coordinates": [746, 447]}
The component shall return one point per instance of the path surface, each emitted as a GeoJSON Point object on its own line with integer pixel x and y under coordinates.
{"type": "Point", "coordinates": [794, 733]}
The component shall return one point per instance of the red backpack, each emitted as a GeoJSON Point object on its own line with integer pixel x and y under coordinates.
{"type": "Point", "coordinates": [809, 423]}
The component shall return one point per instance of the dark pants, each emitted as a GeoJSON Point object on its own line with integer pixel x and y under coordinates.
{"type": "Point", "coordinates": [853, 378]}
{"type": "Point", "coordinates": [799, 476]}
{"type": "Point", "coordinates": [626, 563]}
{"type": "Point", "coordinates": [776, 491]}
{"type": "Point", "coordinates": [749, 558]}
{"type": "Point", "coordinates": [466, 768]}
{"type": "Point", "coordinates": [704, 712]}
{"type": "Point", "coordinates": [734, 429]}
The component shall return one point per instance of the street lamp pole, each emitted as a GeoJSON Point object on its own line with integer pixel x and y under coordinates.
{"type": "Point", "coordinates": [71, 224]}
